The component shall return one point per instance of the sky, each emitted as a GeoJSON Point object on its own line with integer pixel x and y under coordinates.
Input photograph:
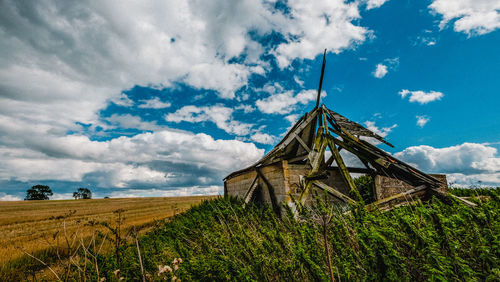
{"type": "Point", "coordinates": [166, 98]}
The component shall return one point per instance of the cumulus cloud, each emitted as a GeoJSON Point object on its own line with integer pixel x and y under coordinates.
{"type": "Point", "coordinates": [421, 97]}
{"type": "Point", "coordinates": [467, 158]}
{"type": "Point", "coordinates": [370, 125]}
{"type": "Point", "coordinates": [380, 71]}
{"type": "Point", "coordinates": [474, 17]}
{"type": "Point", "coordinates": [422, 120]}
{"type": "Point", "coordinates": [154, 103]}
{"type": "Point", "coordinates": [371, 4]}
{"type": "Point", "coordinates": [128, 121]}
{"type": "Point", "coordinates": [245, 108]}
{"type": "Point", "coordinates": [165, 158]}
{"type": "Point", "coordinates": [220, 115]}
{"type": "Point", "coordinates": [263, 138]}
{"type": "Point", "coordinates": [383, 68]}
{"type": "Point", "coordinates": [326, 23]}
{"type": "Point", "coordinates": [62, 63]}
{"type": "Point", "coordinates": [285, 102]}
{"type": "Point", "coordinates": [7, 197]}
{"type": "Point", "coordinates": [176, 192]}
{"type": "Point", "coordinates": [465, 164]}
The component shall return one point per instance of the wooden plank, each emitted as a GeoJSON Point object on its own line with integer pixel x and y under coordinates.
{"type": "Point", "coordinates": [251, 189]}
{"type": "Point", "coordinates": [315, 166]}
{"type": "Point", "coordinates": [301, 142]}
{"type": "Point", "coordinates": [343, 168]}
{"type": "Point", "coordinates": [298, 130]}
{"type": "Point", "coordinates": [396, 197]}
{"type": "Point", "coordinates": [299, 158]}
{"type": "Point", "coordinates": [334, 192]}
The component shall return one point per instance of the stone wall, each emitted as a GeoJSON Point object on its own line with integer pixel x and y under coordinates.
{"type": "Point", "coordinates": [387, 186]}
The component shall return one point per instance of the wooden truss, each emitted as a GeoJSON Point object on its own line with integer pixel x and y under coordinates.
{"type": "Point", "coordinates": [321, 129]}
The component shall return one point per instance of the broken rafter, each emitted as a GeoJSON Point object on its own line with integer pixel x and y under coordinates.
{"type": "Point", "coordinates": [333, 192]}
{"type": "Point", "coordinates": [251, 190]}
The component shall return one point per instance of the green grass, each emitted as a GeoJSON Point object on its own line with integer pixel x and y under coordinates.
{"type": "Point", "coordinates": [220, 240]}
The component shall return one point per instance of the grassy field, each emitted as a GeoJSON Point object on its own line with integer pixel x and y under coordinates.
{"type": "Point", "coordinates": [34, 226]}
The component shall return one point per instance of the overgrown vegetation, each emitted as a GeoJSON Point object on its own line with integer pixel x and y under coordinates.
{"type": "Point", "coordinates": [221, 240]}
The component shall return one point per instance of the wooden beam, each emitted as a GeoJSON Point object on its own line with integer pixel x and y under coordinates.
{"type": "Point", "coordinates": [301, 142]}
{"type": "Point", "coordinates": [380, 202]}
{"type": "Point", "coordinates": [334, 192]}
{"type": "Point", "coordinates": [316, 160]}
{"type": "Point", "coordinates": [298, 158]}
{"type": "Point", "coordinates": [443, 196]}
{"type": "Point", "coordinates": [251, 190]}
{"type": "Point", "coordinates": [343, 169]}
{"type": "Point", "coordinates": [298, 130]}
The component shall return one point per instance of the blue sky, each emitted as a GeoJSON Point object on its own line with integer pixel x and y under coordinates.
{"type": "Point", "coordinates": [165, 98]}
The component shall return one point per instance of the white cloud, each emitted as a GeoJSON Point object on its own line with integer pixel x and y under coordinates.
{"type": "Point", "coordinates": [383, 132]}
{"type": "Point", "coordinates": [128, 121]}
{"type": "Point", "coordinates": [465, 164]}
{"type": "Point", "coordinates": [467, 158]}
{"type": "Point", "coordinates": [175, 192]}
{"type": "Point", "coordinates": [370, 125]}
{"type": "Point", "coordinates": [421, 97]}
{"type": "Point", "coordinates": [62, 63]}
{"type": "Point", "coordinates": [292, 118]}
{"type": "Point", "coordinates": [246, 108]}
{"type": "Point", "coordinates": [160, 159]}
{"type": "Point", "coordinates": [263, 138]}
{"type": "Point", "coordinates": [122, 100]}
{"type": "Point", "coordinates": [371, 4]}
{"type": "Point", "coordinates": [422, 120]}
{"type": "Point", "coordinates": [154, 103]}
{"type": "Point", "coordinates": [474, 17]}
{"type": "Point", "coordinates": [380, 71]}
{"type": "Point", "coordinates": [220, 115]}
{"type": "Point", "coordinates": [7, 197]}
{"type": "Point", "coordinates": [285, 102]}
{"type": "Point", "coordinates": [310, 27]}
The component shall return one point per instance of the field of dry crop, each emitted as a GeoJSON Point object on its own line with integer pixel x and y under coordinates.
{"type": "Point", "coordinates": [33, 226]}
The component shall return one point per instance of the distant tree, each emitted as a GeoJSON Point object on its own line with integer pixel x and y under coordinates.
{"type": "Point", "coordinates": [82, 193]}
{"type": "Point", "coordinates": [38, 192]}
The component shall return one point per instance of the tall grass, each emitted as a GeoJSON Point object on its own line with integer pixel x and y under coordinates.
{"type": "Point", "coordinates": [221, 240]}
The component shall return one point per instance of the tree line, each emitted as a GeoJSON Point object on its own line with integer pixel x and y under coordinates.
{"type": "Point", "coordinates": [43, 192]}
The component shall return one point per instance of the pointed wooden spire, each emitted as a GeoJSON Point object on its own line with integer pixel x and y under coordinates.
{"type": "Point", "coordinates": [321, 79]}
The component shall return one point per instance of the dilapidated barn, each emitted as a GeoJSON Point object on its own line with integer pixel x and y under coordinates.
{"type": "Point", "coordinates": [309, 159]}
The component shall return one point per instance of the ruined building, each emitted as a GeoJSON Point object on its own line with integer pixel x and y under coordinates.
{"type": "Point", "coordinates": [309, 160]}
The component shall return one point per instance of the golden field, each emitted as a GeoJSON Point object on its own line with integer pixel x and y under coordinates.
{"type": "Point", "coordinates": [34, 226]}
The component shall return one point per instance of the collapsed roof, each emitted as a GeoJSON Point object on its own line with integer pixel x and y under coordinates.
{"type": "Point", "coordinates": [321, 129]}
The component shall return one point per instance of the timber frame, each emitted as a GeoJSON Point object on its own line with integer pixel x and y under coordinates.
{"type": "Point", "coordinates": [304, 147]}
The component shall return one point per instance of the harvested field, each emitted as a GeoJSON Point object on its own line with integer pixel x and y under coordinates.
{"type": "Point", "coordinates": [34, 226]}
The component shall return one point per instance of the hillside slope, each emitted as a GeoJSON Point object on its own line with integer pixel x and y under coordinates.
{"type": "Point", "coordinates": [220, 240]}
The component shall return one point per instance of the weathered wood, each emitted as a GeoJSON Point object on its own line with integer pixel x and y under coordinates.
{"type": "Point", "coordinates": [251, 190]}
{"type": "Point", "coordinates": [298, 129]}
{"type": "Point", "coordinates": [299, 158]}
{"type": "Point", "coordinates": [343, 168]}
{"type": "Point", "coordinates": [334, 192]}
{"type": "Point", "coordinates": [444, 196]}
{"type": "Point", "coordinates": [301, 142]}
{"type": "Point", "coordinates": [395, 197]}
{"type": "Point", "coordinates": [316, 160]}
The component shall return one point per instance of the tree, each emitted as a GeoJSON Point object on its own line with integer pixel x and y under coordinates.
{"type": "Point", "coordinates": [38, 192]}
{"type": "Point", "coordinates": [82, 193]}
